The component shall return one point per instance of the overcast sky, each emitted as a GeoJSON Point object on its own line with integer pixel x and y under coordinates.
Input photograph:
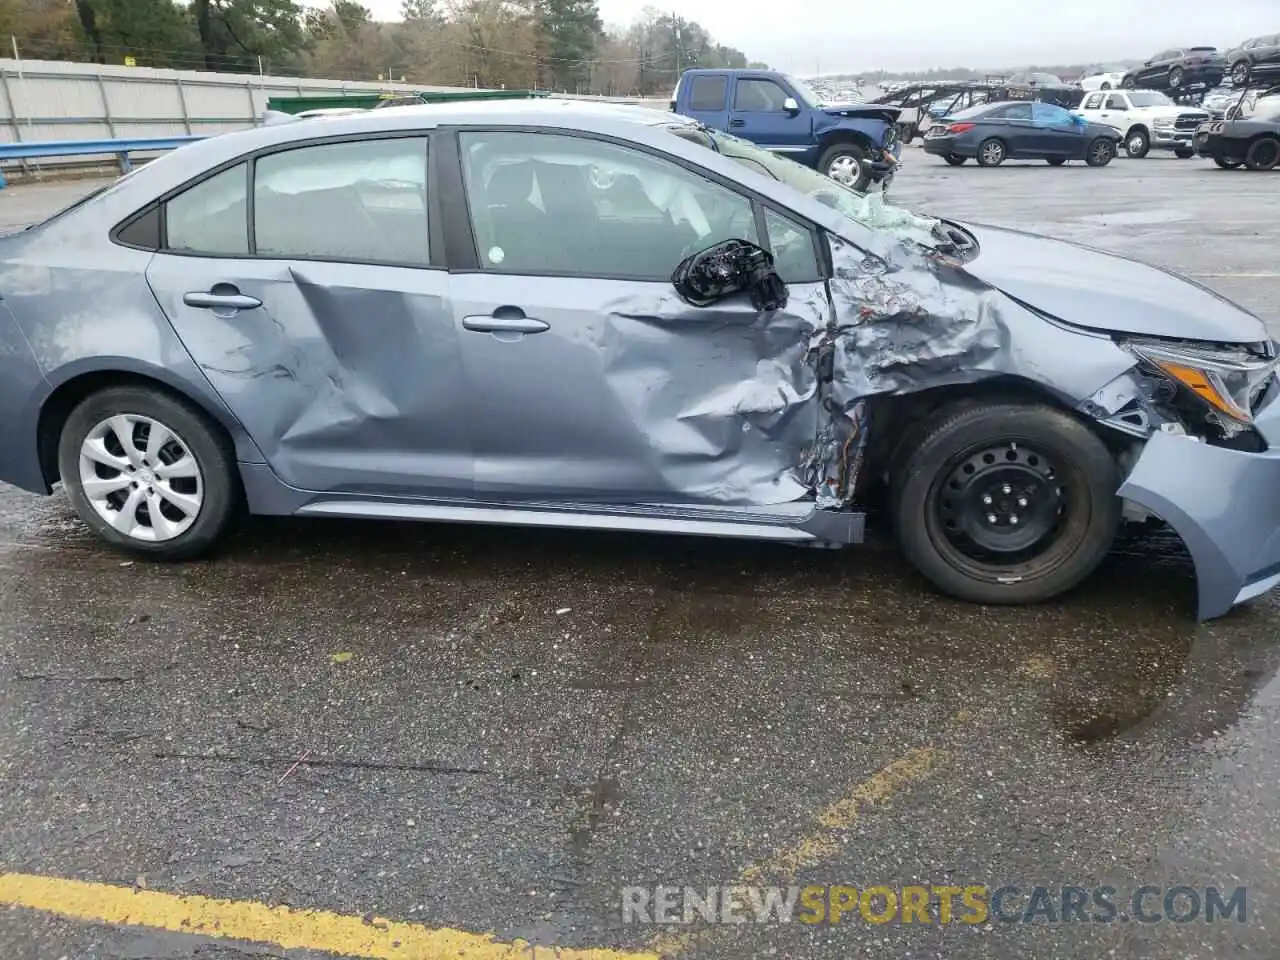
{"type": "Point", "coordinates": [918, 34]}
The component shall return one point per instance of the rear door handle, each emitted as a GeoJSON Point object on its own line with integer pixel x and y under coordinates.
{"type": "Point", "coordinates": [504, 322]}
{"type": "Point", "coordinates": [221, 301]}
{"type": "Point", "coordinates": [737, 123]}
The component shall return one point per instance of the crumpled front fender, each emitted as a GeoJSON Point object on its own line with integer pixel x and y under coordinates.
{"type": "Point", "coordinates": [1224, 504]}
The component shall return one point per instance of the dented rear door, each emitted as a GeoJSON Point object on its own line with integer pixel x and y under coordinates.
{"type": "Point", "coordinates": [346, 374]}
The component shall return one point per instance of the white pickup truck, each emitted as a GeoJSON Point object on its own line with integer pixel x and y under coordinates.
{"type": "Point", "coordinates": [1146, 119]}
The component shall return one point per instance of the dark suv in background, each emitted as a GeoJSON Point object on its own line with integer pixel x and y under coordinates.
{"type": "Point", "coordinates": [1256, 59]}
{"type": "Point", "coordinates": [1175, 70]}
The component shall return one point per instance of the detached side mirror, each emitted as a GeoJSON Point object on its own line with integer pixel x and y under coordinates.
{"type": "Point", "coordinates": [728, 268]}
{"type": "Point", "coordinates": [791, 106]}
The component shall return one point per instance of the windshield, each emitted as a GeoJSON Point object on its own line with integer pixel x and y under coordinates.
{"type": "Point", "coordinates": [805, 92]}
{"type": "Point", "coordinates": [870, 211]}
{"type": "Point", "coordinates": [1150, 99]}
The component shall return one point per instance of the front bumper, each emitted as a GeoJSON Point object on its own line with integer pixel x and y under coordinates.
{"type": "Point", "coordinates": [1168, 138]}
{"type": "Point", "coordinates": [1225, 506]}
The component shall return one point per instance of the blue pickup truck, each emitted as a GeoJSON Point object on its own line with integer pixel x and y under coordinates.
{"type": "Point", "coordinates": [850, 142]}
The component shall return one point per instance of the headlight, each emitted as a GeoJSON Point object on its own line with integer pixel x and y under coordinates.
{"type": "Point", "coordinates": [1229, 380]}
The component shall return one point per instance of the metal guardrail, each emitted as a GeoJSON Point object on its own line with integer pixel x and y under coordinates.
{"type": "Point", "coordinates": [34, 149]}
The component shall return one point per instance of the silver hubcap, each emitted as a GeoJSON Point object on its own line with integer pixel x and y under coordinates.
{"type": "Point", "coordinates": [844, 170]}
{"type": "Point", "coordinates": [140, 477]}
{"type": "Point", "coordinates": [992, 153]}
{"type": "Point", "coordinates": [1135, 143]}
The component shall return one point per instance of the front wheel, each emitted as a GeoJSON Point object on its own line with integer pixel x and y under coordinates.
{"type": "Point", "coordinates": [1128, 83]}
{"type": "Point", "coordinates": [1106, 85]}
{"type": "Point", "coordinates": [1184, 154]}
{"type": "Point", "coordinates": [1137, 144]}
{"type": "Point", "coordinates": [842, 162]}
{"type": "Point", "coordinates": [1006, 502]}
{"type": "Point", "coordinates": [1264, 154]}
{"type": "Point", "coordinates": [955, 159]}
{"type": "Point", "coordinates": [1175, 78]}
{"type": "Point", "coordinates": [1226, 164]}
{"type": "Point", "coordinates": [991, 152]}
{"type": "Point", "coordinates": [147, 472]}
{"type": "Point", "coordinates": [1101, 152]}
{"type": "Point", "coordinates": [1240, 74]}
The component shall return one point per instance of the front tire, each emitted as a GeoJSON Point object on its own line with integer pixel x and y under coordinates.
{"type": "Point", "coordinates": [842, 162]}
{"type": "Point", "coordinates": [1241, 73]}
{"type": "Point", "coordinates": [991, 152]}
{"type": "Point", "coordinates": [1175, 78]}
{"type": "Point", "coordinates": [148, 473]}
{"type": "Point", "coordinates": [1184, 154]}
{"type": "Point", "coordinates": [1128, 83]}
{"type": "Point", "coordinates": [1264, 154]}
{"type": "Point", "coordinates": [1226, 164]}
{"type": "Point", "coordinates": [1101, 152]}
{"type": "Point", "coordinates": [1006, 503]}
{"type": "Point", "coordinates": [1106, 85]}
{"type": "Point", "coordinates": [1137, 144]}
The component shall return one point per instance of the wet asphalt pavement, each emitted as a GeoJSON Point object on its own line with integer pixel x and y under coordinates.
{"type": "Point", "coordinates": [530, 721]}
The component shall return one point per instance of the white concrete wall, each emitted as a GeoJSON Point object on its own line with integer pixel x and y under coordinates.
{"type": "Point", "coordinates": [57, 100]}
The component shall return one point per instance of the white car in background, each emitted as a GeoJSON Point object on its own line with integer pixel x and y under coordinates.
{"type": "Point", "coordinates": [1102, 77]}
{"type": "Point", "coordinates": [1146, 119]}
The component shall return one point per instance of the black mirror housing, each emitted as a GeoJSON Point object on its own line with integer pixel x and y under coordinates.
{"type": "Point", "coordinates": [728, 268]}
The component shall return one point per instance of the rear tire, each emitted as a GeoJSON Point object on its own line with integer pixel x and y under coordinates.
{"type": "Point", "coordinates": [1056, 161]}
{"type": "Point", "coordinates": [1106, 85]}
{"type": "Point", "coordinates": [954, 160]}
{"type": "Point", "coordinates": [1128, 83]}
{"type": "Point", "coordinates": [1241, 74]}
{"type": "Point", "coordinates": [116, 477]}
{"type": "Point", "coordinates": [839, 162]}
{"type": "Point", "coordinates": [1264, 154]}
{"type": "Point", "coordinates": [1059, 474]}
{"type": "Point", "coordinates": [991, 152]}
{"type": "Point", "coordinates": [1175, 78]}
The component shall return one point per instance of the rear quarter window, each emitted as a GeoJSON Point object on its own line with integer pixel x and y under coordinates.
{"type": "Point", "coordinates": [708, 93]}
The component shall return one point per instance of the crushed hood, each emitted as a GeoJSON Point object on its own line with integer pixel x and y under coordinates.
{"type": "Point", "coordinates": [877, 111]}
{"type": "Point", "coordinates": [1091, 288]}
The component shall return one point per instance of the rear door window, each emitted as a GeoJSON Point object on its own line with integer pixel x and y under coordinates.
{"type": "Point", "coordinates": [708, 94]}
{"type": "Point", "coordinates": [211, 217]}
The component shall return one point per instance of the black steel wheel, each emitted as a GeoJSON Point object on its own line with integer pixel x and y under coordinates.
{"type": "Point", "coordinates": [1264, 154]}
{"type": "Point", "coordinates": [1006, 503]}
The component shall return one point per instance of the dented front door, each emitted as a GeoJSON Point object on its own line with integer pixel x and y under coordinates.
{"type": "Point", "coordinates": [347, 376]}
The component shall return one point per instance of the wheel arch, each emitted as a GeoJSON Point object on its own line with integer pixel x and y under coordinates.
{"type": "Point", "coordinates": [1138, 127]}
{"type": "Point", "coordinates": [78, 381]}
{"type": "Point", "coordinates": [838, 135]}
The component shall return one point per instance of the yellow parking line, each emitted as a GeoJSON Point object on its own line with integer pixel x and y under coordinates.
{"type": "Point", "coordinates": [315, 930]}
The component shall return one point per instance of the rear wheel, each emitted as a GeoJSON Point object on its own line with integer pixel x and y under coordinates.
{"type": "Point", "coordinates": [1264, 154]}
{"type": "Point", "coordinates": [1128, 83]}
{"type": "Point", "coordinates": [1006, 503]}
{"type": "Point", "coordinates": [991, 152]}
{"type": "Point", "coordinates": [1175, 78]}
{"type": "Point", "coordinates": [1101, 152]}
{"type": "Point", "coordinates": [1056, 161]}
{"type": "Point", "coordinates": [1106, 85]}
{"type": "Point", "coordinates": [1137, 144]}
{"type": "Point", "coordinates": [1226, 164]}
{"type": "Point", "coordinates": [955, 160]}
{"type": "Point", "coordinates": [842, 162]}
{"type": "Point", "coordinates": [1184, 154]}
{"type": "Point", "coordinates": [148, 472]}
{"type": "Point", "coordinates": [1240, 73]}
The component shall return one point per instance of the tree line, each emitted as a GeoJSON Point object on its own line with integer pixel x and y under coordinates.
{"type": "Point", "coordinates": [559, 45]}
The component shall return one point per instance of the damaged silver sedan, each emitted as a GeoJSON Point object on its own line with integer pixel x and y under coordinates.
{"type": "Point", "coordinates": [565, 315]}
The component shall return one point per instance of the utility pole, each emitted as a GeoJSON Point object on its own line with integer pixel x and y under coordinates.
{"type": "Point", "coordinates": [675, 29]}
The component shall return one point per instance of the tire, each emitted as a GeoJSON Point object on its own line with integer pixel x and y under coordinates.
{"type": "Point", "coordinates": [955, 160]}
{"type": "Point", "coordinates": [991, 152]}
{"type": "Point", "coordinates": [1137, 143]}
{"type": "Point", "coordinates": [214, 490]}
{"type": "Point", "coordinates": [1035, 449]}
{"type": "Point", "coordinates": [1128, 83]}
{"type": "Point", "coordinates": [1100, 152]}
{"type": "Point", "coordinates": [1227, 164]}
{"type": "Point", "coordinates": [1263, 154]}
{"type": "Point", "coordinates": [1241, 73]}
{"type": "Point", "coordinates": [838, 157]}
{"type": "Point", "coordinates": [1056, 161]}
{"type": "Point", "coordinates": [1184, 154]}
{"type": "Point", "coordinates": [1106, 85]}
{"type": "Point", "coordinates": [1175, 78]}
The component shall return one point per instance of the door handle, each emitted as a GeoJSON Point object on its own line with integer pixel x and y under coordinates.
{"type": "Point", "coordinates": [224, 301]}
{"type": "Point", "coordinates": [737, 123]}
{"type": "Point", "coordinates": [501, 321]}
